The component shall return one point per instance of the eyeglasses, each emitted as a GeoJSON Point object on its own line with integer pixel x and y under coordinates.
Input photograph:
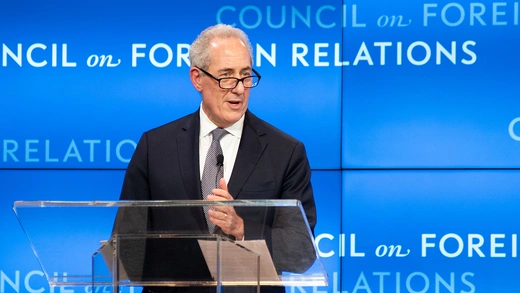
{"type": "Point", "coordinates": [229, 83]}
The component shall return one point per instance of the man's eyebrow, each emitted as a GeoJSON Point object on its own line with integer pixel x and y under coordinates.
{"type": "Point", "coordinates": [227, 70]}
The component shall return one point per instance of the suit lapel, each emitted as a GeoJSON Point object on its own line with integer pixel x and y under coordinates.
{"type": "Point", "coordinates": [188, 145]}
{"type": "Point", "coordinates": [252, 145]}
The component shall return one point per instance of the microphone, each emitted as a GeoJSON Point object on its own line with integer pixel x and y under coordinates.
{"type": "Point", "coordinates": [220, 164]}
{"type": "Point", "coordinates": [220, 160]}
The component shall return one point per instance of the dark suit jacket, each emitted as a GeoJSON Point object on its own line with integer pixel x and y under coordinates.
{"type": "Point", "coordinates": [269, 165]}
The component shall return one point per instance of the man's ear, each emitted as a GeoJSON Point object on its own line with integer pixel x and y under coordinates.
{"type": "Point", "coordinates": [195, 77]}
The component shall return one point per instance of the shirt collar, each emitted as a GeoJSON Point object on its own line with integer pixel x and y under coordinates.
{"type": "Point", "coordinates": [206, 126]}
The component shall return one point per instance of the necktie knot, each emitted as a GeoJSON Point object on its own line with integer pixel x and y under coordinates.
{"type": "Point", "coordinates": [218, 133]}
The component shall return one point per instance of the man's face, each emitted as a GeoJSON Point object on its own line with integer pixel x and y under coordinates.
{"type": "Point", "coordinates": [229, 58]}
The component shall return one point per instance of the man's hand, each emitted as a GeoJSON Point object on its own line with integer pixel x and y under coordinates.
{"type": "Point", "coordinates": [225, 216]}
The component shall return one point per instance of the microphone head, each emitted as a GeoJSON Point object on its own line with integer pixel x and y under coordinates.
{"type": "Point", "coordinates": [220, 160]}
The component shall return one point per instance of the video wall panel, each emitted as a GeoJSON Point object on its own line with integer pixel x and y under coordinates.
{"type": "Point", "coordinates": [81, 86]}
{"type": "Point", "coordinates": [431, 85]}
{"type": "Point", "coordinates": [19, 269]}
{"type": "Point", "coordinates": [431, 231]}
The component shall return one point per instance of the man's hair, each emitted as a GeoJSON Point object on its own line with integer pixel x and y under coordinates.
{"type": "Point", "coordinates": [199, 50]}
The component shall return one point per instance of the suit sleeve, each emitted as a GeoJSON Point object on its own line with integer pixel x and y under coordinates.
{"type": "Point", "coordinates": [293, 248]}
{"type": "Point", "coordinates": [134, 220]}
{"type": "Point", "coordinates": [136, 185]}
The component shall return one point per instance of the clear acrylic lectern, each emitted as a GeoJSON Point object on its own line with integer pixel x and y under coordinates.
{"type": "Point", "coordinates": [166, 243]}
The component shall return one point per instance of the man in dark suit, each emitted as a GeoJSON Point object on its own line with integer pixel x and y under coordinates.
{"type": "Point", "coordinates": [261, 162]}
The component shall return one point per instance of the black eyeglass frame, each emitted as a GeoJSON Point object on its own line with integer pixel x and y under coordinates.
{"type": "Point", "coordinates": [237, 79]}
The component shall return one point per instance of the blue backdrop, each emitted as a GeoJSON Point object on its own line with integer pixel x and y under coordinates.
{"type": "Point", "coordinates": [409, 111]}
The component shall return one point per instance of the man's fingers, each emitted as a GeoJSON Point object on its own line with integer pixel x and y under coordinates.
{"type": "Point", "coordinates": [219, 213]}
{"type": "Point", "coordinates": [223, 184]}
{"type": "Point", "coordinates": [219, 194]}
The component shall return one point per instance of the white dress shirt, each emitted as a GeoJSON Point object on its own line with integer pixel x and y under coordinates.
{"type": "Point", "coordinates": [228, 142]}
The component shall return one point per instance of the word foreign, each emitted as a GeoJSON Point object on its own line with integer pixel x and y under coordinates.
{"type": "Point", "coordinates": [453, 245]}
{"type": "Point", "coordinates": [482, 14]}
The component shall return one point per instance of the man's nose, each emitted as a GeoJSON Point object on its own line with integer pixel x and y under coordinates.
{"type": "Point", "coordinates": [239, 89]}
